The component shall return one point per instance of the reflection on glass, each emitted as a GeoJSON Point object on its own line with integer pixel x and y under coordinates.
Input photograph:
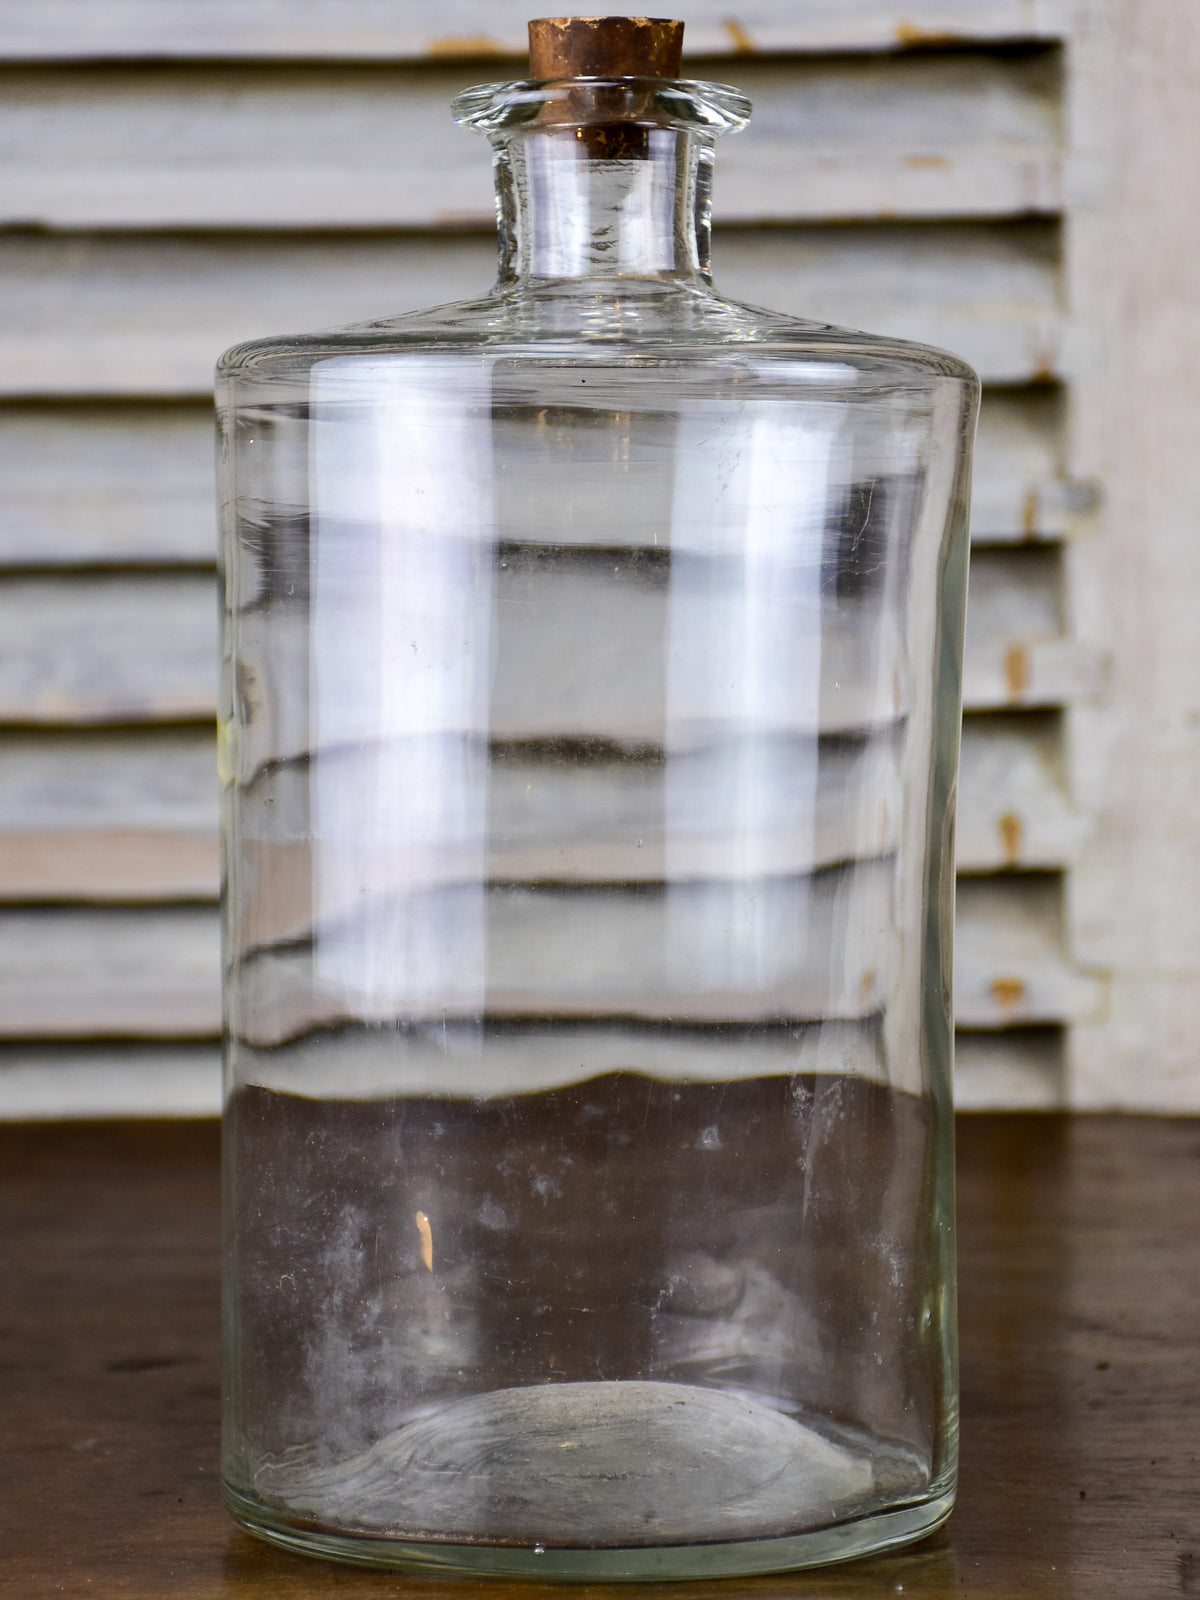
{"type": "Point", "coordinates": [401, 476]}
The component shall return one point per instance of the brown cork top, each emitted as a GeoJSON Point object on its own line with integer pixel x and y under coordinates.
{"type": "Point", "coordinates": [605, 47]}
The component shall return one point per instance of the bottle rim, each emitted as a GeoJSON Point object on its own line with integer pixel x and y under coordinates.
{"type": "Point", "coordinates": [528, 105]}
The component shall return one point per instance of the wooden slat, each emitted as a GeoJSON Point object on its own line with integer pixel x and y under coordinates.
{"type": "Point", "coordinates": [60, 1082]}
{"type": "Point", "coordinates": [371, 1062]}
{"type": "Point", "coordinates": [96, 315]}
{"type": "Point", "coordinates": [159, 780]}
{"type": "Point", "coordinates": [1010, 964]}
{"type": "Point", "coordinates": [143, 649]}
{"type": "Point", "coordinates": [613, 951]}
{"type": "Point", "coordinates": [996, 1071]}
{"type": "Point", "coordinates": [1132, 285]}
{"type": "Point", "coordinates": [94, 485]}
{"type": "Point", "coordinates": [1022, 492]}
{"type": "Point", "coordinates": [130, 485]}
{"type": "Point", "coordinates": [72, 30]}
{"type": "Point", "coordinates": [108, 816]}
{"type": "Point", "coordinates": [116, 816]}
{"type": "Point", "coordinates": [1017, 653]}
{"type": "Point", "coordinates": [184, 147]}
{"type": "Point", "coordinates": [1019, 1069]}
{"type": "Point", "coordinates": [1014, 806]}
{"type": "Point", "coordinates": [121, 863]}
{"type": "Point", "coordinates": [80, 974]}
{"type": "Point", "coordinates": [547, 821]}
{"type": "Point", "coordinates": [148, 973]}
{"type": "Point", "coordinates": [108, 649]}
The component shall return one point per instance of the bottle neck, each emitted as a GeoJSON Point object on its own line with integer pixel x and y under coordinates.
{"type": "Point", "coordinates": [574, 206]}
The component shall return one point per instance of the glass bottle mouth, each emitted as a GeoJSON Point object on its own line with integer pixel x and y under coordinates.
{"type": "Point", "coordinates": [713, 108]}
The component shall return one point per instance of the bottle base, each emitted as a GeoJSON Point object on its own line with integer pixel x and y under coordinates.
{"type": "Point", "coordinates": [848, 1541]}
{"type": "Point", "coordinates": [629, 1479]}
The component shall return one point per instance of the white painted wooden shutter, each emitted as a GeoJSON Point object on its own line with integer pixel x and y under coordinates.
{"type": "Point", "coordinates": [176, 178]}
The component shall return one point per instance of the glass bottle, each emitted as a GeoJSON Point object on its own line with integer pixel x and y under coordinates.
{"type": "Point", "coordinates": [590, 723]}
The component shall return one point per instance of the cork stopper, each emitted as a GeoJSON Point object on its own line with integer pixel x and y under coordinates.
{"type": "Point", "coordinates": [605, 47]}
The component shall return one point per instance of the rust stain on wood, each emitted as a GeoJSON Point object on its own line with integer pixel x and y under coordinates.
{"type": "Point", "coordinates": [742, 42]}
{"type": "Point", "coordinates": [909, 34]}
{"type": "Point", "coordinates": [426, 1233]}
{"type": "Point", "coordinates": [1008, 992]}
{"type": "Point", "coordinates": [1016, 671]}
{"type": "Point", "coordinates": [1010, 837]}
{"type": "Point", "coordinates": [466, 45]}
{"type": "Point", "coordinates": [460, 219]}
{"type": "Point", "coordinates": [1029, 515]}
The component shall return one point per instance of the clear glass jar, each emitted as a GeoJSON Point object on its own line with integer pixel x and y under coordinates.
{"type": "Point", "coordinates": [590, 725]}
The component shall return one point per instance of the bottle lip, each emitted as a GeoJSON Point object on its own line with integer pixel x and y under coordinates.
{"type": "Point", "coordinates": [533, 104]}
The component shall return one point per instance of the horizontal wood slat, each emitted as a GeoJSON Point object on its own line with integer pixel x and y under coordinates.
{"type": "Point", "coordinates": [160, 205]}
{"type": "Point", "coordinates": [121, 863]}
{"type": "Point", "coordinates": [131, 485]}
{"type": "Point", "coordinates": [59, 1081]}
{"type": "Point", "coordinates": [97, 485]}
{"type": "Point", "coordinates": [993, 1071]}
{"type": "Point", "coordinates": [134, 648]}
{"type": "Point", "coordinates": [95, 315]}
{"type": "Point", "coordinates": [108, 649]}
{"type": "Point", "coordinates": [154, 780]}
{"type": "Point", "coordinates": [1021, 492]}
{"type": "Point", "coordinates": [79, 973]}
{"type": "Point", "coordinates": [155, 147]}
{"type": "Point", "coordinates": [1016, 650]}
{"type": "Point", "coordinates": [1014, 804]}
{"type": "Point", "coordinates": [1021, 1068]}
{"type": "Point", "coordinates": [121, 816]}
{"type": "Point", "coordinates": [1009, 963]}
{"type": "Point", "coordinates": [470, 29]}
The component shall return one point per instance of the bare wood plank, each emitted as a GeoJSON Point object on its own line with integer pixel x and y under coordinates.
{"type": "Point", "coordinates": [332, 30]}
{"type": "Point", "coordinates": [83, 974]}
{"type": "Point", "coordinates": [108, 649]}
{"type": "Point", "coordinates": [1017, 1070]}
{"type": "Point", "coordinates": [113, 649]}
{"type": "Point", "coordinates": [1031, 672]}
{"type": "Point", "coordinates": [151, 973]}
{"type": "Point", "coordinates": [372, 1063]}
{"type": "Point", "coordinates": [108, 815]}
{"type": "Point", "coordinates": [1016, 653]}
{"type": "Point", "coordinates": [94, 485]}
{"type": "Point", "coordinates": [1011, 967]}
{"type": "Point", "coordinates": [1014, 806]}
{"type": "Point", "coordinates": [154, 780]}
{"type": "Point", "coordinates": [1135, 238]}
{"type": "Point", "coordinates": [186, 147]}
{"type": "Point", "coordinates": [128, 484]}
{"type": "Point", "coordinates": [125, 864]}
{"type": "Point", "coordinates": [59, 1082]}
{"type": "Point", "coordinates": [579, 953]}
{"type": "Point", "coordinates": [122, 816]}
{"type": "Point", "coordinates": [108, 315]}
{"type": "Point", "coordinates": [1022, 491]}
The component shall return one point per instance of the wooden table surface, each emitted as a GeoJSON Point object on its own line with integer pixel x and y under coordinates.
{"type": "Point", "coordinates": [1080, 1317]}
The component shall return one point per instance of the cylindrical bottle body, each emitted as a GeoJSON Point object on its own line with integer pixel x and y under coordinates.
{"type": "Point", "coordinates": [590, 729]}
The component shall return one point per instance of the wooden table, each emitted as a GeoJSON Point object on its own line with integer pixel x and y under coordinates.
{"type": "Point", "coordinates": [1080, 1312]}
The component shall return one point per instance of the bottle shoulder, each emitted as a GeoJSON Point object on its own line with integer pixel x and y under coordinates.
{"type": "Point", "coordinates": [611, 324]}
